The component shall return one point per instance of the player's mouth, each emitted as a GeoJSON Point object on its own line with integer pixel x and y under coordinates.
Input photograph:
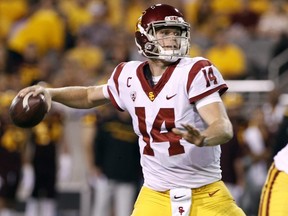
{"type": "Point", "coordinates": [171, 47]}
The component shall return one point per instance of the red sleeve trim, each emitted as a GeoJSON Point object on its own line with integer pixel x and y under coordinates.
{"type": "Point", "coordinates": [221, 89]}
{"type": "Point", "coordinates": [117, 73]}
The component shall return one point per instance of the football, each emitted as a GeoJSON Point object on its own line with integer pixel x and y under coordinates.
{"type": "Point", "coordinates": [28, 111]}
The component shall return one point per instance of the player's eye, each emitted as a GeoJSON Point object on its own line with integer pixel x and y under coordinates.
{"type": "Point", "coordinates": [177, 33]}
{"type": "Point", "coordinates": [168, 32]}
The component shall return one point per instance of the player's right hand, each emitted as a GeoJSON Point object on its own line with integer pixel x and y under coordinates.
{"type": "Point", "coordinates": [36, 90]}
{"type": "Point", "coordinates": [191, 134]}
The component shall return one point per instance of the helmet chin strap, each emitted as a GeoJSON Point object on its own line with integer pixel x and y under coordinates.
{"type": "Point", "coordinates": [169, 55]}
{"type": "Point", "coordinates": [166, 55]}
{"type": "Point", "coordinates": [169, 58]}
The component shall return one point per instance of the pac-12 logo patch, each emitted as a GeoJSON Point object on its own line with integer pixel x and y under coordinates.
{"type": "Point", "coordinates": [133, 95]}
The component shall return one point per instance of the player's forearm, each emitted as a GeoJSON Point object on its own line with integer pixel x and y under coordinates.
{"type": "Point", "coordinates": [218, 133]}
{"type": "Point", "coordinates": [77, 96]}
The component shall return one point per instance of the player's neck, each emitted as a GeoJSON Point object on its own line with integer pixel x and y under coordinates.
{"type": "Point", "coordinates": [157, 67]}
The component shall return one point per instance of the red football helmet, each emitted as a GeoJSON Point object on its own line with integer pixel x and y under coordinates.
{"type": "Point", "coordinates": [159, 16]}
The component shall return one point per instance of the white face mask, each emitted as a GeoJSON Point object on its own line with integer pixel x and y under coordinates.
{"type": "Point", "coordinates": [153, 48]}
{"type": "Point", "coordinates": [173, 55]}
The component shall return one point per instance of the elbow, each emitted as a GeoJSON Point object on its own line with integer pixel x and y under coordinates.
{"type": "Point", "coordinates": [228, 133]}
{"type": "Point", "coordinates": [228, 136]}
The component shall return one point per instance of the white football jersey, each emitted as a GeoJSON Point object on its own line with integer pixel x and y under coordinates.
{"type": "Point", "coordinates": [281, 159]}
{"type": "Point", "coordinates": [168, 161]}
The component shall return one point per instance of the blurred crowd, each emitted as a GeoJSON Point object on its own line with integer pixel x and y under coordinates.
{"type": "Point", "coordinates": [79, 42]}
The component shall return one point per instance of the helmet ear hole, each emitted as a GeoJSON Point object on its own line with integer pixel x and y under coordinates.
{"type": "Point", "coordinates": [155, 18]}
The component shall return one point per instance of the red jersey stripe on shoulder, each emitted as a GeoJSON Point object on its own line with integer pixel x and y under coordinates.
{"type": "Point", "coordinates": [113, 101]}
{"type": "Point", "coordinates": [195, 70]}
{"type": "Point", "coordinates": [117, 73]}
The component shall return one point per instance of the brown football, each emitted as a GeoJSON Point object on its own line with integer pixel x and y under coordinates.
{"type": "Point", "coordinates": [28, 111]}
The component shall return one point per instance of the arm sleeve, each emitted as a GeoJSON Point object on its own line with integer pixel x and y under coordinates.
{"type": "Point", "coordinates": [105, 91]}
{"type": "Point", "coordinates": [214, 97]}
{"type": "Point", "coordinates": [206, 80]}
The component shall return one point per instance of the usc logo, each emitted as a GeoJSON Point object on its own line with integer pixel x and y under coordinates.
{"type": "Point", "coordinates": [151, 96]}
{"type": "Point", "coordinates": [181, 210]}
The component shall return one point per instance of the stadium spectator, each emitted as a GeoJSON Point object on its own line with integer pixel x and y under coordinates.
{"type": "Point", "coordinates": [76, 13]}
{"type": "Point", "coordinates": [273, 112]}
{"type": "Point", "coordinates": [29, 70]}
{"type": "Point", "coordinates": [11, 12]}
{"type": "Point", "coordinates": [279, 50]}
{"type": "Point", "coordinates": [233, 172]}
{"type": "Point", "coordinates": [258, 154]}
{"type": "Point", "coordinates": [12, 145]}
{"type": "Point", "coordinates": [88, 56]}
{"type": "Point", "coordinates": [47, 145]}
{"type": "Point", "coordinates": [282, 134]}
{"type": "Point", "coordinates": [274, 21]}
{"type": "Point", "coordinates": [245, 18]}
{"type": "Point", "coordinates": [114, 163]}
{"type": "Point", "coordinates": [3, 57]}
{"type": "Point", "coordinates": [227, 56]}
{"type": "Point", "coordinates": [100, 31]}
{"type": "Point", "coordinates": [44, 28]}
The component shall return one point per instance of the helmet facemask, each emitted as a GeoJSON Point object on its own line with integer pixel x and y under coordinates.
{"type": "Point", "coordinates": [153, 49]}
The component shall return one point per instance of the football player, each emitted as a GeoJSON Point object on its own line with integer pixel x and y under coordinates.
{"type": "Point", "coordinates": [275, 194]}
{"type": "Point", "coordinates": [177, 112]}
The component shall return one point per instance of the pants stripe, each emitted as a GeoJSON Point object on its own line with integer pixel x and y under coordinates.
{"type": "Point", "coordinates": [266, 196]}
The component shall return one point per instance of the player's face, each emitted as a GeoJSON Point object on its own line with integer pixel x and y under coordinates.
{"type": "Point", "coordinates": [169, 38]}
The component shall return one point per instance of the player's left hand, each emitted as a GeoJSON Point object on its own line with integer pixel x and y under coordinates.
{"type": "Point", "coordinates": [191, 134]}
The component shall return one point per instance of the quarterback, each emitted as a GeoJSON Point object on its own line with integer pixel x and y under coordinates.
{"type": "Point", "coordinates": [177, 113]}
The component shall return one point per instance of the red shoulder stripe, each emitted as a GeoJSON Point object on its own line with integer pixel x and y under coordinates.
{"type": "Point", "coordinates": [113, 101]}
{"type": "Point", "coordinates": [195, 70]}
{"type": "Point", "coordinates": [117, 73]}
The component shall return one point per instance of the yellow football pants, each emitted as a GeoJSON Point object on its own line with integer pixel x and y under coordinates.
{"type": "Point", "coordinates": [210, 200]}
{"type": "Point", "coordinates": [274, 197]}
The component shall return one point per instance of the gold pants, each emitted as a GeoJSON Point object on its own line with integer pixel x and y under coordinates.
{"type": "Point", "coordinates": [274, 197]}
{"type": "Point", "coordinates": [210, 200]}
